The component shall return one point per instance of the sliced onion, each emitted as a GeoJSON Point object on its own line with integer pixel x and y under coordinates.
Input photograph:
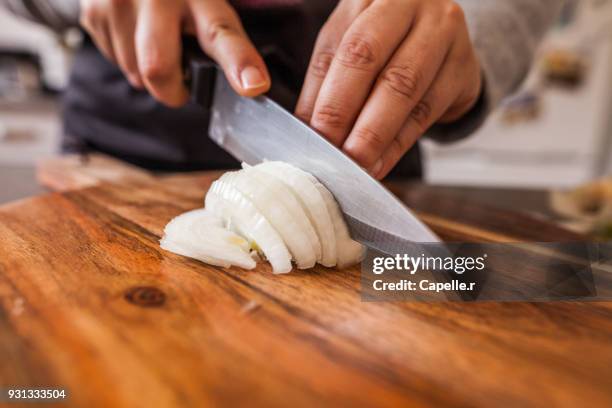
{"type": "Point", "coordinates": [279, 206]}
{"type": "Point", "coordinates": [240, 215]}
{"type": "Point", "coordinates": [199, 234]}
{"type": "Point", "coordinates": [273, 209]}
{"type": "Point", "coordinates": [302, 184]}
{"type": "Point", "coordinates": [349, 251]}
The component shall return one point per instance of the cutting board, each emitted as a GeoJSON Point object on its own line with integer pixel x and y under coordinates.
{"type": "Point", "coordinates": [90, 303]}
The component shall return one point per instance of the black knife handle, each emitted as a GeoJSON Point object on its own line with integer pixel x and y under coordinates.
{"type": "Point", "coordinates": [199, 73]}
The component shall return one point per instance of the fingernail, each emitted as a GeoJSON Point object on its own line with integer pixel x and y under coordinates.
{"type": "Point", "coordinates": [251, 78]}
{"type": "Point", "coordinates": [377, 168]}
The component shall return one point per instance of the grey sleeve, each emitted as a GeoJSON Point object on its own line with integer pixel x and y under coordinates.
{"type": "Point", "coordinates": [56, 14]}
{"type": "Point", "coordinates": [505, 34]}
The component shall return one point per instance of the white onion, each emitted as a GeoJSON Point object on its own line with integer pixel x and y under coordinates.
{"type": "Point", "coordinates": [201, 235]}
{"type": "Point", "coordinates": [349, 251]}
{"type": "Point", "coordinates": [279, 206]}
{"type": "Point", "coordinates": [241, 215]}
{"type": "Point", "coordinates": [303, 186]}
{"type": "Point", "coordinates": [272, 209]}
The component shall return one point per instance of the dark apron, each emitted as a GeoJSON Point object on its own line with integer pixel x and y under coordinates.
{"type": "Point", "coordinates": [102, 112]}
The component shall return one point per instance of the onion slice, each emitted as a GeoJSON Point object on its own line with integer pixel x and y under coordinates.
{"type": "Point", "coordinates": [302, 184]}
{"type": "Point", "coordinates": [200, 235]}
{"type": "Point", "coordinates": [240, 215]}
{"type": "Point", "coordinates": [280, 207]}
{"type": "Point", "coordinates": [349, 251]}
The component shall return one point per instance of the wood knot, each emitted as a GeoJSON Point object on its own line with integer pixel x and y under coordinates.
{"type": "Point", "coordinates": [145, 296]}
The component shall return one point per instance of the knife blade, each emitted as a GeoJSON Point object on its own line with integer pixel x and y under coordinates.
{"type": "Point", "coordinates": [258, 129]}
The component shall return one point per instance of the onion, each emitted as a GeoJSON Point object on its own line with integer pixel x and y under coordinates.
{"type": "Point", "coordinates": [349, 251]}
{"type": "Point", "coordinates": [201, 235]}
{"type": "Point", "coordinates": [303, 186]}
{"type": "Point", "coordinates": [241, 216]}
{"type": "Point", "coordinates": [278, 204]}
{"type": "Point", "coordinates": [272, 209]}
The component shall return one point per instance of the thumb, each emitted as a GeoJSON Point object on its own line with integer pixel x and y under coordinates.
{"type": "Point", "coordinates": [223, 38]}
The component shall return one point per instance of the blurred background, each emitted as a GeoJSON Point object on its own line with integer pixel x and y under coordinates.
{"type": "Point", "coordinates": [34, 67]}
{"type": "Point", "coordinates": [554, 133]}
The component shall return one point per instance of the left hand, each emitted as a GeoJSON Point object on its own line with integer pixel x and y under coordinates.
{"type": "Point", "coordinates": [384, 71]}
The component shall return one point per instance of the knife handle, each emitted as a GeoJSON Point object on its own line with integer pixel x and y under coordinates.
{"type": "Point", "coordinates": [199, 73]}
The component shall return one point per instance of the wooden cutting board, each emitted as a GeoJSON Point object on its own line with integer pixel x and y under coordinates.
{"type": "Point", "coordinates": [89, 302]}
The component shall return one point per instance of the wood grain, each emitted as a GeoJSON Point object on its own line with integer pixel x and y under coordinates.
{"type": "Point", "coordinates": [90, 302]}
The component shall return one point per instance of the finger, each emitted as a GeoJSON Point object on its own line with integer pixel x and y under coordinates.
{"type": "Point", "coordinates": [100, 35]}
{"type": "Point", "coordinates": [398, 89]}
{"type": "Point", "coordinates": [443, 94]}
{"type": "Point", "coordinates": [122, 27]}
{"type": "Point", "coordinates": [470, 95]}
{"type": "Point", "coordinates": [320, 61]}
{"type": "Point", "coordinates": [158, 51]}
{"type": "Point", "coordinates": [94, 21]}
{"type": "Point", "coordinates": [465, 57]}
{"type": "Point", "coordinates": [104, 42]}
{"type": "Point", "coordinates": [361, 55]}
{"type": "Point", "coordinates": [325, 47]}
{"type": "Point", "coordinates": [222, 36]}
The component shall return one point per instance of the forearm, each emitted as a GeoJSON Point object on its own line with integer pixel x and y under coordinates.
{"type": "Point", "coordinates": [505, 34]}
{"type": "Point", "coordinates": [56, 14]}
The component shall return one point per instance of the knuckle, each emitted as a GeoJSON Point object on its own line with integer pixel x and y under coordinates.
{"type": "Point", "coordinates": [329, 115]}
{"type": "Point", "coordinates": [357, 52]}
{"type": "Point", "coordinates": [403, 80]}
{"type": "Point", "coordinates": [154, 69]}
{"type": "Point", "coordinates": [454, 13]}
{"type": "Point", "coordinates": [421, 115]}
{"type": "Point", "coordinates": [401, 144]}
{"type": "Point", "coordinates": [367, 140]}
{"type": "Point", "coordinates": [217, 29]}
{"type": "Point", "coordinates": [321, 62]}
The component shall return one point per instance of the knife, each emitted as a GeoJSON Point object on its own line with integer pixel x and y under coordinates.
{"type": "Point", "coordinates": [257, 129]}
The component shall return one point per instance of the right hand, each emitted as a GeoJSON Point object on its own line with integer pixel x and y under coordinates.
{"type": "Point", "coordinates": [144, 38]}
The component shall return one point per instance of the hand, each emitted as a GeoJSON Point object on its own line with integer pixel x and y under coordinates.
{"type": "Point", "coordinates": [384, 71]}
{"type": "Point", "coordinates": [144, 38]}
